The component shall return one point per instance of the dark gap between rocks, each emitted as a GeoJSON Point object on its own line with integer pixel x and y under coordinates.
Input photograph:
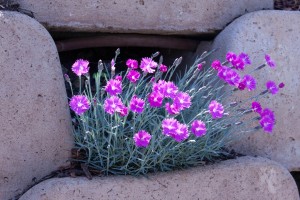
{"type": "Point", "coordinates": [296, 176]}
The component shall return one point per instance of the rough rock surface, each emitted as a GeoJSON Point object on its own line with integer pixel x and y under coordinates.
{"type": "Point", "coordinates": [141, 16]}
{"type": "Point", "coordinates": [243, 178]}
{"type": "Point", "coordinates": [35, 133]}
{"type": "Point", "coordinates": [275, 33]}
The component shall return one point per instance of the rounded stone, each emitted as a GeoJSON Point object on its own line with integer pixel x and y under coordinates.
{"type": "Point", "coordinates": [35, 133]}
{"type": "Point", "coordinates": [243, 178]}
{"type": "Point", "coordinates": [141, 16]}
{"type": "Point", "coordinates": [275, 33]}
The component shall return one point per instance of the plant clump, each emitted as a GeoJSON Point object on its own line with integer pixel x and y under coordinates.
{"type": "Point", "coordinates": [149, 118]}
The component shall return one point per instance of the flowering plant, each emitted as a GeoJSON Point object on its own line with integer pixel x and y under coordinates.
{"type": "Point", "coordinates": [142, 121]}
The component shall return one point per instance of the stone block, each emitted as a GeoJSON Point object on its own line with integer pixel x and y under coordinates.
{"type": "Point", "coordinates": [243, 178]}
{"type": "Point", "coordinates": [275, 33]}
{"type": "Point", "coordinates": [141, 16]}
{"type": "Point", "coordinates": [35, 133]}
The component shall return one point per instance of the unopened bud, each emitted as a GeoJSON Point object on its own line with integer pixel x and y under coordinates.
{"type": "Point", "coordinates": [160, 60]}
{"type": "Point", "coordinates": [155, 54]}
{"type": "Point", "coordinates": [260, 67]}
{"type": "Point", "coordinates": [178, 61]}
{"type": "Point", "coordinates": [281, 85]}
{"type": "Point", "coordinates": [233, 104]}
{"type": "Point", "coordinates": [117, 52]}
{"type": "Point", "coordinates": [264, 92]}
{"type": "Point", "coordinates": [100, 66]}
{"type": "Point", "coordinates": [238, 123]}
{"type": "Point", "coordinates": [67, 78]}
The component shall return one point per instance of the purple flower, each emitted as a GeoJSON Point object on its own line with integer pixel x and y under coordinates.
{"type": "Point", "coordinates": [137, 104]}
{"type": "Point", "coordinates": [230, 56]}
{"type": "Point", "coordinates": [268, 113]}
{"type": "Point", "coordinates": [198, 128]}
{"type": "Point", "coordinates": [147, 65]}
{"type": "Point", "coordinates": [269, 61]}
{"type": "Point", "coordinates": [216, 65]}
{"type": "Point", "coordinates": [133, 76]}
{"type": "Point", "coordinates": [119, 78]}
{"type": "Point", "coordinates": [281, 85]}
{"type": "Point", "coordinates": [181, 133]}
{"type": "Point", "coordinates": [216, 109]}
{"type": "Point", "coordinates": [271, 86]}
{"type": "Point", "coordinates": [267, 124]}
{"type": "Point", "coordinates": [122, 110]}
{"type": "Point", "coordinates": [169, 126]}
{"type": "Point", "coordinates": [142, 138]}
{"type": "Point", "coordinates": [256, 107]}
{"type": "Point", "coordinates": [222, 72]}
{"type": "Point", "coordinates": [113, 87]}
{"type": "Point", "coordinates": [172, 109]}
{"type": "Point", "coordinates": [79, 104]}
{"type": "Point", "coordinates": [182, 100]}
{"type": "Point", "coordinates": [132, 64]}
{"type": "Point", "coordinates": [242, 85]}
{"type": "Point", "coordinates": [163, 68]}
{"type": "Point", "coordinates": [155, 99]}
{"type": "Point", "coordinates": [232, 77]}
{"type": "Point", "coordinates": [80, 67]}
{"type": "Point", "coordinates": [170, 90]}
{"type": "Point", "coordinates": [113, 104]}
{"type": "Point", "coordinates": [250, 82]}
{"type": "Point", "coordinates": [160, 87]}
{"type": "Point", "coordinates": [238, 63]}
{"type": "Point", "coordinates": [245, 58]}
{"type": "Point", "coordinates": [199, 66]}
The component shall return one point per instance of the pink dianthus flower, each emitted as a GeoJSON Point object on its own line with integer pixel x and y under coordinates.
{"type": "Point", "coordinates": [230, 56]}
{"type": "Point", "coordinates": [137, 104]}
{"type": "Point", "coordinates": [113, 87]}
{"type": "Point", "coordinates": [169, 125]}
{"type": "Point", "coordinates": [163, 68]}
{"type": "Point", "coordinates": [79, 104]}
{"type": "Point", "coordinates": [132, 64]}
{"type": "Point", "coordinates": [250, 82]}
{"type": "Point", "coordinates": [122, 110]}
{"type": "Point", "coordinates": [271, 86]}
{"type": "Point", "coordinates": [200, 66]}
{"type": "Point", "coordinates": [182, 100]}
{"type": "Point", "coordinates": [198, 128]}
{"type": "Point", "coordinates": [232, 77]}
{"type": "Point", "coordinates": [216, 109]}
{"type": "Point", "coordinates": [155, 99]}
{"type": "Point", "coordinates": [267, 124]}
{"type": "Point", "coordinates": [269, 61]}
{"type": "Point", "coordinates": [256, 107]}
{"type": "Point", "coordinates": [147, 65]}
{"type": "Point", "coordinates": [222, 72]}
{"type": "Point", "coordinates": [170, 89]}
{"type": "Point", "coordinates": [142, 138]}
{"type": "Point", "coordinates": [133, 76]}
{"type": "Point", "coordinates": [172, 109]}
{"type": "Point", "coordinates": [113, 104]}
{"type": "Point", "coordinates": [216, 65]}
{"type": "Point", "coordinates": [245, 58]}
{"type": "Point", "coordinates": [181, 133]}
{"type": "Point", "coordinates": [80, 67]}
{"type": "Point", "coordinates": [238, 63]}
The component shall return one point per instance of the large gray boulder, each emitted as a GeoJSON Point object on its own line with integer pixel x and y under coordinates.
{"type": "Point", "coordinates": [35, 133]}
{"type": "Point", "coordinates": [141, 16]}
{"type": "Point", "coordinates": [243, 178]}
{"type": "Point", "coordinates": [275, 33]}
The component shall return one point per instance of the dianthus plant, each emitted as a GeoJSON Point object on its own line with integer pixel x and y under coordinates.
{"type": "Point", "coordinates": [154, 117]}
